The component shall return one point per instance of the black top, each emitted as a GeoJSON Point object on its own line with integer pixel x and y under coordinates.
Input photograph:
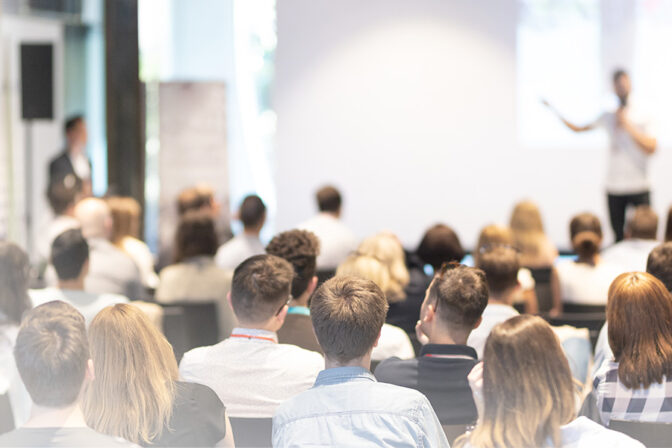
{"type": "Point", "coordinates": [440, 373]}
{"type": "Point", "coordinates": [198, 419]}
{"type": "Point", "coordinates": [60, 437]}
{"type": "Point", "coordinates": [60, 167]}
{"type": "Point", "coordinates": [298, 330]}
{"type": "Point", "coordinates": [406, 313]}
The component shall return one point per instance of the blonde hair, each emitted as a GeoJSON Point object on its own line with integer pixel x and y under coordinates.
{"type": "Point", "coordinates": [388, 250]}
{"type": "Point", "coordinates": [366, 267]}
{"type": "Point", "coordinates": [528, 391]}
{"type": "Point", "coordinates": [125, 218]}
{"type": "Point", "coordinates": [528, 229]}
{"type": "Point", "coordinates": [491, 236]}
{"type": "Point", "coordinates": [132, 395]}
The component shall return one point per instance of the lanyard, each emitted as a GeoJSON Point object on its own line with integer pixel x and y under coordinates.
{"type": "Point", "coordinates": [246, 336]}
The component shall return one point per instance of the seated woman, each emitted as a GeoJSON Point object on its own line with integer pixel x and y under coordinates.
{"type": "Point", "coordinates": [585, 280]}
{"type": "Point", "coordinates": [634, 384]}
{"type": "Point", "coordinates": [525, 394]}
{"type": "Point", "coordinates": [195, 277]}
{"type": "Point", "coordinates": [393, 340]}
{"type": "Point", "coordinates": [130, 355]}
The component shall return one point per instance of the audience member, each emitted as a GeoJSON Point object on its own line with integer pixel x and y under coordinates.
{"type": "Point", "coordinates": [347, 406]}
{"type": "Point", "coordinates": [195, 277]}
{"type": "Point", "coordinates": [126, 233]}
{"type": "Point", "coordinates": [393, 340]}
{"type": "Point", "coordinates": [252, 214]}
{"type": "Point", "coordinates": [300, 248]}
{"type": "Point", "coordinates": [72, 166]}
{"type": "Point", "coordinates": [634, 384]}
{"type": "Point", "coordinates": [250, 372]}
{"type": "Point", "coordinates": [110, 270]}
{"type": "Point", "coordinates": [500, 265]}
{"type": "Point", "coordinates": [387, 249]}
{"type": "Point", "coordinates": [630, 254]}
{"type": "Point", "coordinates": [70, 258]}
{"type": "Point", "coordinates": [586, 280]}
{"type": "Point", "coordinates": [52, 355]}
{"type": "Point", "coordinates": [336, 240]}
{"type": "Point", "coordinates": [199, 198]}
{"type": "Point", "coordinates": [525, 394]}
{"type": "Point", "coordinates": [668, 226]}
{"type": "Point", "coordinates": [62, 199]}
{"type": "Point", "coordinates": [130, 354]}
{"type": "Point", "coordinates": [452, 308]}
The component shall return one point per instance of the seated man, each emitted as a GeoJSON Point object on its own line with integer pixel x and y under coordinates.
{"type": "Point", "coordinates": [70, 258]}
{"type": "Point", "coordinates": [250, 371]}
{"type": "Point", "coordinates": [252, 214]}
{"type": "Point", "coordinates": [347, 406]}
{"type": "Point", "coordinates": [52, 356]}
{"type": "Point", "coordinates": [300, 248]}
{"type": "Point", "coordinates": [452, 308]}
{"type": "Point", "coordinates": [631, 254]}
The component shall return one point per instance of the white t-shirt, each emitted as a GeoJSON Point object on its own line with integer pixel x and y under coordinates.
{"type": "Point", "coordinates": [393, 342]}
{"type": "Point", "coordinates": [87, 303]}
{"type": "Point", "coordinates": [627, 164]}
{"type": "Point", "coordinates": [336, 240]}
{"type": "Point", "coordinates": [586, 284]}
{"type": "Point", "coordinates": [493, 314]}
{"type": "Point", "coordinates": [238, 249]}
{"type": "Point", "coordinates": [143, 258]}
{"type": "Point", "coordinates": [629, 255]}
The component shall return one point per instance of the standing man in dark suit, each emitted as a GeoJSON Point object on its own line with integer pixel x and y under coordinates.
{"type": "Point", "coordinates": [73, 163]}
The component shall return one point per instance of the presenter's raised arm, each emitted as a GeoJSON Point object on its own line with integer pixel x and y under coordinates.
{"type": "Point", "coordinates": [570, 125]}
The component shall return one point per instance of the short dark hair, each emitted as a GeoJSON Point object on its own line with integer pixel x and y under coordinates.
{"type": "Point", "coordinates": [501, 266]}
{"type": "Point", "coordinates": [643, 223]}
{"type": "Point", "coordinates": [459, 294]}
{"type": "Point", "coordinates": [261, 284]}
{"type": "Point", "coordinates": [62, 193]}
{"type": "Point", "coordinates": [659, 264]}
{"type": "Point", "coordinates": [14, 278]}
{"type": "Point", "coordinates": [252, 211]}
{"type": "Point", "coordinates": [348, 314]}
{"type": "Point", "coordinates": [328, 199]}
{"type": "Point", "coordinates": [439, 245]}
{"type": "Point", "coordinates": [72, 122]}
{"type": "Point", "coordinates": [195, 235]}
{"type": "Point", "coordinates": [617, 74]}
{"type": "Point", "coordinates": [194, 199]}
{"type": "Point", "coordinates": [300, 248]}
{"type": "Point", "coordinates": [69, 252]}
{"type": "Point", "coordinates": [51, 354]}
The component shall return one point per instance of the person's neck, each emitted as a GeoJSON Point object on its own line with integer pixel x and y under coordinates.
{"type": "Point", "coordinates": [45, 417]}
{"type": "Point", "coordinates": [444, 336]}
{"type": "Point", "coordinates": [335, 215]}
{"type": "Point", "coordinates": [265, 326]}
{"type": "Point", "coordinates": [363, 362]}
{"type": "Point", "coordinates": [500, 299]}
{"type": "Point", "coordinates": [593, 260]}
{"type": "Point", "coordinates": [251, 232]}
{"type": "Point", "coordinates": [300, 301]}
{"type": "Point", "coordinates": [76, 284]}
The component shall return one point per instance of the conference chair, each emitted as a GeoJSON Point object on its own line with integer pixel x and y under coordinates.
{"type": "Point", "coordinates": [542, 287]}
{"type": "Point", "coordinates": [252, 432]}
{"type": "Point", "coordinates": [649, 433]}
{"type": "Point", "coordinates": [188, 324]}
{"type": "Point", "coordinates": [592, 321]}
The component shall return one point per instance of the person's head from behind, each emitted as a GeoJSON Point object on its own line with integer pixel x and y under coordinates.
{"type": "Point", "coordinates": [643, 224]}
{"type": "Point", "coordinates": [52, 354]}
{"type": "Point", "coordinates": [196, 236]}
{"type": "Point", "coordinates": [492, 236]}
{"type": "Point", "coordinates": [261, 290]}
{"type": "Point", "coordinates": [300, 248]}
{"type": "Point", "coordinates": [622, 85]}
{"type": "Point", "coordinates": [440, 244]}
{"type": "Point", "coordinates": [95, 218]}
{"type": "Point", "coordinates": [197, 198]}
{"type": "Point", "coordinates": [130, 354]}
{"type": "Point", "coordinates": [252, 214]}
{"type": "Point", "coordinates": [528, 391]}
{"type": "Point", "coordinates": [368, 268]}
{"type": "Point", "coordinates": [125, 218]}
{"type": "Point", "coordinates": [454, 303]}
{"type": "Point", "coordinates": [501, 266]}
{"type": "Point", "coordinates": [348, 314]}
{"type": "Point", "coordinates": [75, 132]}
{"type": "Point", "coordinates": [387, 248]}
{"type": "Point", "coordinates": [329, 200]}
{"type": "Point", "coordinates": [585, 232]}
{"type": "Point", "coordinates": [527, 227]}
{"type": "Point", "coordinates": [14, 278]}
{"type": "Point", "coordinates": [659, 264]}
{"type": "Point", "coordinates": [668, 226]}
{"type": "Point", "coordinates": [70, 256]}
{"type": "Point", "coordinates": [639, 312]}
{"type": "Point", "coordinates": [63, 194]}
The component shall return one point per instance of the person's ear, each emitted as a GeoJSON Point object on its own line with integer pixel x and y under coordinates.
{"type": "Point", "coordinates": [478, 323]}
{"type": "Point", "coordinates": [430, 314]}
{"type": "Point", "coordinates": [312, 286]}
{"type": "Point", "coordinates": [375, 344]}
{"type": "Point", "coordinates": [282, 315]}
{"type": "Point", "coordinates": [228, 299]}
{"type": "Point", "coordinates": [85, 269]}
{"type": "Point", "coordinates": [90, 373]}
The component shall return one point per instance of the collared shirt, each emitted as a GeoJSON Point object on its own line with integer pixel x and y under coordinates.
{"type": "Point", "coordinates": [250, 372]}
{"type": "Point", "coordinates": [303, 310]}
{"type": "Point", "coordinates": [238, 249]}
{"type": "Point", "coordinates": [493, 314]}
{"type": "Point", "coordinates": [336, 240]}
{"type": "Point", "coordinates": [440, 373]}
{"type": "Point", "coordinates": [347, 407]}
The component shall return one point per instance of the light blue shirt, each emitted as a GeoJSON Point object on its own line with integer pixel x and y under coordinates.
{"type": "Point", "coordinates": [347, 407]}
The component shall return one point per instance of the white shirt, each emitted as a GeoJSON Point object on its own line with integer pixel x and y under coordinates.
{"type": "Point", "coordinates": [87, 303]}
{"type": "Point", "coordinates": [493, 314]}
{"type": "Point", "coordinates": [10, 381]}
{"type": "Point", "coordinates": [253, 374]}
{"type": "Point", "coordinates": [627, 164]}
{"type": "Point", "coordinates": [629, 255]}
{"type": "Point", "coordinates": [393, 342]}
{"type": "Point", "coordinates": [586, 284]}
{"type": "Point", "coordinates": [238, 249]}
{"type": "Point", "coordinates": [143, 259]}
{"type": "Point", "coordinates": [80, 164]}
{"type": "Point", "coordinates": [336, 240]}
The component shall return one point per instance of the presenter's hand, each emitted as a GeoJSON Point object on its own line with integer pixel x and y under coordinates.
{"type": "Point", "coordinates": [622, 118]}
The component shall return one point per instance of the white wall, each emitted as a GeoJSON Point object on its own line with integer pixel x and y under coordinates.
{"type": "Point", "coordinates": [409, 107]}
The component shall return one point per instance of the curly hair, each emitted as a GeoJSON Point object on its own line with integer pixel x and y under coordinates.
{"type": "Point", "coordinates": [300, 248]}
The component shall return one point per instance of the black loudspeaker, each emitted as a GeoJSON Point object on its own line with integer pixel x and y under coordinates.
{"type": "Point", "coordinates": [37, 81]}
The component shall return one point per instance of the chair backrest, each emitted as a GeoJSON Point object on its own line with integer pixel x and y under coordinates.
{"type": "Point", "coordinates": [592, 321]}
{"type": "Point", "coordinates": [454, 431]}
{"type": "Point", "coordinates": [252, 432]}
{"type": "Point", "coordinates": [649, 433]}
{"type": "Point", "coordinates": [6, 414]}
{"type": "Point", "coordinates": [542, 287]}
{"type": "Point", "coordinates": [576, 308]}
{"type": "Point", "coordinates": [189, 325]}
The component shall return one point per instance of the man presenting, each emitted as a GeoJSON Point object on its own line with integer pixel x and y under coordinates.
{"type": "Point", "coordinates": [73, 163]}
{"type": "Point", "coordinates": [630, 145]}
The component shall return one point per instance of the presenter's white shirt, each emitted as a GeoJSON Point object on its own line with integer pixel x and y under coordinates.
{"type": "Point", "coordinates": [336, 240]}
{"type": "Point", "coordinates": [493, 314]}
{"type": "Point", "coordinates": [586, 284]}
{"type": "Point", "coordinates": [627, 168]}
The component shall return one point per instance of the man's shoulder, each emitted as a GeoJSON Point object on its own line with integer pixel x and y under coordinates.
{"type": "Point", "coordinates": [397, 371]}
{"type": "Point", "coordinates": [294, 352]}
{"type": "Point", "coordinates": [198, 356]}
{"type": "Point", "coordinates": [60, 437]}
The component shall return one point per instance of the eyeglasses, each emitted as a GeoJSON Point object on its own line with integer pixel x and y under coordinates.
{"type": "Point", "coordinates": [289, 299]}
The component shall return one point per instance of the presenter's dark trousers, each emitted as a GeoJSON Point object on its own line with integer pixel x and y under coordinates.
{"type": "Point", "coordinates": [617, 206]}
